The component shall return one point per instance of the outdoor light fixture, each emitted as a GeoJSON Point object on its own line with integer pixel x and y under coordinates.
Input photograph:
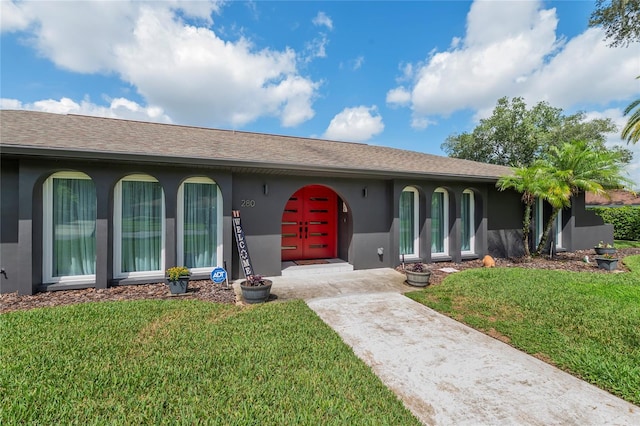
{"type": "Point", "coordinates": [265, 189]}
{"type": "Point", "coordinates": [365, 192]}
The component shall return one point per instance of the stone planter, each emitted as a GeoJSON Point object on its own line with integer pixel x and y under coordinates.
{"type": "Point", "coordinates": [256, 294]}
{"type": "Point", "coordinates": [418, 279]}
{"type": "Point", "coordinates": [604, 250]}
{"type": "Point", "coordinates": [607, 264]}
{"type": "Point", "coordinates": [179, 286]}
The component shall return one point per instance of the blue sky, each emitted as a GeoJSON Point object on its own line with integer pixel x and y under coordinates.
{"type": "Point", "coordinates": [399, 74]}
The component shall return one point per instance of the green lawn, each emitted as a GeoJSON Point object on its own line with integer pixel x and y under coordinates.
{"type": "Point", "coordinates": [585, 323]}
{"type": "Point", "coordinates": [184, 362]}
{"type": "Point", "coordinates": [626, 244]}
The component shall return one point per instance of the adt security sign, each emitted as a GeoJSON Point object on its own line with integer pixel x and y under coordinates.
{"type": "Point", "coordinates": [218, 275]}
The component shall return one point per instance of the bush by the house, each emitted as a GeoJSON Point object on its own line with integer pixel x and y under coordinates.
{"type": "Point", "coordinates": [625, 221]}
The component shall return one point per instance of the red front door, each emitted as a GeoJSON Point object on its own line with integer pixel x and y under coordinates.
{"type": "Point", "coordinates": [309, 224]}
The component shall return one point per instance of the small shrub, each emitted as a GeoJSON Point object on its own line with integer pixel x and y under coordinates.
{"type": "Point", "coordinates": [625, 221]}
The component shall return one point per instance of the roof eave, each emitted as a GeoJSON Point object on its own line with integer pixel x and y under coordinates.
{"type": "Point", "coordinates": [264, 167]}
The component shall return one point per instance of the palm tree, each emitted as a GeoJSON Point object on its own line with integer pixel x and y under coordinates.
{"type": "Point", "coordinates": [532, 182]}
{"type": "Point", "coordinates": [575, 168]}
{"type": "Point", "coordinates": [631, 131]}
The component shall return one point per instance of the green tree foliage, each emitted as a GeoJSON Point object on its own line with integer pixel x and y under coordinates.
{"type": "Point", "coordinates": [517, 136]}
{"type": "Point", "coordinates": [620, 20]}
{"type": "Point", "coordinates": [532, 182]}
{"type": "Point", "coordinates": [576, 167]}
{"type": "Point", "coordinates": [625, 221]}
{"type": "Point", "coordinates": [631, 131]}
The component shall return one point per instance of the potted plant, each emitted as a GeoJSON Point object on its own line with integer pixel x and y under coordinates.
{"type": "Point", "coordinates": [607, 262]}
{"type": "Point", "coordinates": [603, 248]}
{"type": "Point", "coordinates": [178, 279]}
{"type": "Point", "coordinates": [418, 274]}
{"type": "Point", "coordinates": [255, 289]}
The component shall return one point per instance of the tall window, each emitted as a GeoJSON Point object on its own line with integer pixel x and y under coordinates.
{"type": "Point", "coordinates": [69, 238]}
{"type": "Point", "coordinates": [440, 222]}
{"type": "Point", "coordinates": [558, 226]}
{"type": "Point", "coordinates": [139, 227]}
{"type": "Point", "coordinates": [199, 224]}
{"type": "Point", "coordinates": [409, 233]}
{"type": "Point", "coordinates": [468, 222]}
{"type": "Point", "coordinates": [538, 209]}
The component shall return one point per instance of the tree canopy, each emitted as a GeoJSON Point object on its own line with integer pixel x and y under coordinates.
{"type": "Point", "coordinates": [620, 20]}
{"type": "Point", "coordinates": [517, 136]}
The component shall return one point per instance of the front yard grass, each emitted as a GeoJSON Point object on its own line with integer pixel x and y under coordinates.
{"type": "Point", "coordinates": [184, 362]}
{"type": "Point", "coordinates": [587, 324]}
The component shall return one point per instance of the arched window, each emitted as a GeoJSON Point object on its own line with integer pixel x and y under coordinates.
{"type": "Point", "coordinates": [199, 224]}
{"type": "Point", "coordinates": [139, 227]}
{"type": "Point", "coordinates": [69, 237]}
{"type": "Point", "coordinates": [409, 231]}
{"type": "Point", "coordinates": [440, 223]}
{"type": "Point", "coordinates": [468, 222]}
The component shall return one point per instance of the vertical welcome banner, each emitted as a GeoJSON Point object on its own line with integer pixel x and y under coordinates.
{"type": "Point", "coordinates": [243, 250]}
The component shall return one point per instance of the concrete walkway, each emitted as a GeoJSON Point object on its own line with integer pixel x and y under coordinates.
{"type": "Point", "coordinates": [447, 373]}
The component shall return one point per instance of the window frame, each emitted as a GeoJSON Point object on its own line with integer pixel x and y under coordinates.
{"type": "Point", "coordinates": [47, 232]}
{"type": "Point", "coordinates": [445, 224]}
{"type": "Point", "coordinates": [471, 224]}
{"type": "Point", "coordinates": [117, 231]}
{"type": "Point", "coordinates": [416, 226]}
{"type": "Point", "coordinates": [180, 223]}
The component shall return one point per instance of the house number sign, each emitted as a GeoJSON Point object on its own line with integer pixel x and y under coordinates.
{"type": "Point", "coordinates": [247, 203]}
{"type": "Point", "coordinates": [243, 250]}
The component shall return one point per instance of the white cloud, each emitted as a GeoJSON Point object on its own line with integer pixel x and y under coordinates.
{"type": "Point", "coordinates": [188, 70]}
{"type": "Point", "coordinates": [398, 96]}
{"type": "Point", "coordinates": [356, 124]}
{"type": "Point", "coordinates": [357, 63]}
{"type": "Point", "coordinates": [511, 49]}
{"type": "Point", "coordinates": [118, 108]}
{"type": "Point", "coordinates": [321, 19]}
{"type": "Point", "coordinates": [316, 48]}
{"type": "Point", "coordinates": [12, 17]}
{"type": "Point", "coordinates": [614, 139]}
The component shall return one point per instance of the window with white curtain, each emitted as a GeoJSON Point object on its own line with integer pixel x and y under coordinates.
{"type": "Point", "coordinates": [409, 232]}
{"type": "Point", "coordinates": [69, 225]}
{"type": "Point", "coordinates": [199, 224]}
{"type": "Point", "coordinates": [558, 238]}
{"type": "Point", "coordinates": [468, 225]}
{"type": "Point", "coordinates": [440, 222]}
{"type": "Point", "coordinates": [139, 227]}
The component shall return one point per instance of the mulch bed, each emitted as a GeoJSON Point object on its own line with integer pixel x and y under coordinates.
{"type": "Point", "coordinates": [573, 261]}
{"type": "Point", "coordinates": [201, 289]}
{"type": "Point", "coordinates": [207, 290]}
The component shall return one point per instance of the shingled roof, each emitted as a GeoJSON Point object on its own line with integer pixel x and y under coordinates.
{"type": "Point", "coordinates": [76, 136]}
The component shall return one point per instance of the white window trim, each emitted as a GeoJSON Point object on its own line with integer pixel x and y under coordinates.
{"type": "Point", "coordinates": [539, 220]}
{"type": "Point", "coordinates": [472, 227]}
{"type": "Point", "coordinates": [47, 233]}
{"type": "Point", "coordinates": [416, 226]}
{"type": "Point", "coordinates": [445, 225]}
{"type": "Point", "coordinates": [117, 232]}
{"type": "Point", "coordinates": [180, 220]}
{"type": "Point", "coordinates": [558, 224]}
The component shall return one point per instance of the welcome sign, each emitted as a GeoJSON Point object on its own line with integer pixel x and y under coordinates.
{"type": "Point", "coordinates": [243, 250]}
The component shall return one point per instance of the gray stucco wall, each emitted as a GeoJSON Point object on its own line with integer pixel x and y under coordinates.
{"type": "Point", "coordinates": [368, 217]}
{"type": "Point", "coordinates": [504, 226]}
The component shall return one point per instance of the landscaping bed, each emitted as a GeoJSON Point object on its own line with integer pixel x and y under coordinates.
{"type": "Point", "coordinates": [207, 290]}
{"type": "Point", "coordinates": [567, 261]}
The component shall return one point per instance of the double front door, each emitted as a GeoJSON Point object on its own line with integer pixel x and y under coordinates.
{"type": "Point", "coordinates": [309, 224]}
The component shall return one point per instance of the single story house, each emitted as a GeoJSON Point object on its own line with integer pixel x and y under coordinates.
{"type": "Point", "coordinates": [97, 202]}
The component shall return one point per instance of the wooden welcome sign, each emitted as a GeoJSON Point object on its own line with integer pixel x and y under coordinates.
{"type": "Point", "coordinates": [243, 250]}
